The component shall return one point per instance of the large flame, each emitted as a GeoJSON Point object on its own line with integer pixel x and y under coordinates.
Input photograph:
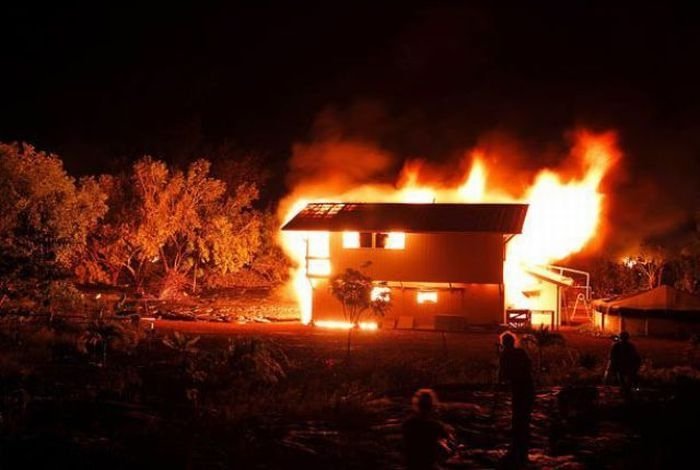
{"type": "Point", "coordinates": [565, 214]}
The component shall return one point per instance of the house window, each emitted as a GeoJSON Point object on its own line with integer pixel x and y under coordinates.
{"type": "Point", "coordinates": [318, 267]}
{"type": "Point", "coordinates": [386, 240]}
{"type": "Point", "coordinates": [381, 293]}
{"type": "Point", "coordinates": [318, 245]}
{"type": "Point", "coordinates": [427, 297]}
{"type": "Point", "coordinates": [351, 239]}
{"type": "Point", "coordinates": [365, 239]}
{"type": "Point", "coordinates": [392, 240]}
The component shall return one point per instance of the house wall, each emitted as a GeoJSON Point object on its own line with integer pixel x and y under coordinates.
{"type": "Point", "coordinates": [607, 323]}
{"type": "Point", "coordinates": [548, 299]}
{"type": "Point", "coordinates": [472, 258]}
{"type": "Point", "coordinates": [465, 268]}
{"type": "Point", "coordinates": [477, 304]}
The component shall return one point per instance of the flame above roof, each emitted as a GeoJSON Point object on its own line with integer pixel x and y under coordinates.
{"type": "Point", "coordinates": [401, 217]}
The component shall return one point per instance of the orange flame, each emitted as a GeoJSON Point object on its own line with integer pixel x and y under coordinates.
{"type": "Point", "coordinates": [565, 212]}
{"type": "Point", "coordinates": [474, 188]}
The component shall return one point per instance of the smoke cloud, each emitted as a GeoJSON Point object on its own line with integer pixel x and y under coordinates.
{"type": "Point", "coordinates": [362, 149]}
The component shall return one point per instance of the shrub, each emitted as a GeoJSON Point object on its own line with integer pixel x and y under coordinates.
{"type": "Point", "coordinates": [258, 361]}
{"type": "Point", "coordinates": [588, 361]}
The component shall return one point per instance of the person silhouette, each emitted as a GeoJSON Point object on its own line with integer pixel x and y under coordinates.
{"type": "Point", "coordinates": [515, 369]}
{"type": "Point", "coordinates": [624, 363]}
{"type": "Point", "coordinates": [425, 437]}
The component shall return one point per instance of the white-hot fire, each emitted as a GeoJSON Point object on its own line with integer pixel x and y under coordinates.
{"type": "Point", "coordinates": [565, 214]}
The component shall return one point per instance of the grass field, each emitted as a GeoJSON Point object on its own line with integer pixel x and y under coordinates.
{"type": "Point", "coordinates": [191, 394]}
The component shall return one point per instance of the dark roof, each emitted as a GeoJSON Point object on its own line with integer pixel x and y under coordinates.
{"type": "Point", "coordinates": [396, 217]}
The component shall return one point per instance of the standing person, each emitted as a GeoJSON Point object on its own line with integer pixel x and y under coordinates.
{"type": "Point", "coordinates": [515, 369]}
{"type": "Point", "coordinates": [424, 435]}
{"type": "Point", "coordinates": [624, 363]}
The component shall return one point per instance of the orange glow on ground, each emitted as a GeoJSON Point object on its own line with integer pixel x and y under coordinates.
{"type": "Point", "coordinates": [346, 325]}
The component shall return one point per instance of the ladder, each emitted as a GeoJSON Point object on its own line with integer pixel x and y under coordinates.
{"type": "Point", "coordinates": [583, 301]}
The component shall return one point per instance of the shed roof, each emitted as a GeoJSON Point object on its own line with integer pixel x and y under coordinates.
{"type": "Point", "coordinates": [659, 298]}
{"type": "Point", "coordinates": [547, 275]}
{"type": "Point", "coordinates": [401, 217]}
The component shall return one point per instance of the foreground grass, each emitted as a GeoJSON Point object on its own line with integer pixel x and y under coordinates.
{"type": "Point", "coordinates": [284, 396]}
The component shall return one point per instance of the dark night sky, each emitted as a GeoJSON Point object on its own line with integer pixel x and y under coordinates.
{"type": "Point", "coordinates": [98, 83]}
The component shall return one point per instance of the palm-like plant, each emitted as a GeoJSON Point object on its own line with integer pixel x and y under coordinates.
{"type": "Point", "coordinates": [182, 343]}
{"type": "Point", "coordinates": [354, 291]}
{"type": "Point", "coordinates": [185, 346]}
{"type": "Point", "coordinates": [100, 335]}
{"type": "Point", "coordinates": [540, 339]}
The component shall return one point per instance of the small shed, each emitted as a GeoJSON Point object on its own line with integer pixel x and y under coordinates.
{"type": "Point", "coordinates": [545, 296]}
{"type": "Point", "coordinates": [662, 311]}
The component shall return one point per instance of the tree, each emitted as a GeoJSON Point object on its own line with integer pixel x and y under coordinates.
{"type": "Point", "coordinates": [354, 291]}
{"type": "Point", "coordinates": [651, 263]}
{"type": "Point", "coordinates": [688, 267]}
{"type": "Point", "coordinates": [45, 215]}
{"type": "Point", "coordinates": [270, 261]}
{"type": "Point", "coordinates": [111, 247]}
{"type": "Point", "coordinates": [186, 222]}
{"type": "Point", "coordinates": [178, 227]}
{"type": "Point", "coordinates": [611, 276]}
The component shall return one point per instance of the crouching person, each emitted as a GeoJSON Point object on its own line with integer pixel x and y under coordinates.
{"type": "Point", "coordinates": [425, 438]}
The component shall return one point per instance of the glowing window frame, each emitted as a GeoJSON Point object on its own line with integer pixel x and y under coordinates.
{"type": "Point", "coordinates": [351, 239]}
{"type": "Point", "coordinates": [427, 297]}
{"type": "Point", "coordinates": [380, 293]}
{"type": "Point", "coordinates": [318, 267]}
{"type": "Point", "coordinates": [393, 240]}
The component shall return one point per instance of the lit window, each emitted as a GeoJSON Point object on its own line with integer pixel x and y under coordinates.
{"type": "Point", "coordinates": [387, 240]}
{"type": "Point", "coordinates": [318, 267]}
{"type": "Point", "coordinates": [368, 325]}
{"type": "Point", "coordinates": [318, 245]}
{"type": "Point", "coordinates": [351, 239]}
{"type": "Point", "coordinates": [381, 293]}
{"type": "Point", "coordinates": [427, 297]}
{"type": "Point", "coordinates": [395, 241]}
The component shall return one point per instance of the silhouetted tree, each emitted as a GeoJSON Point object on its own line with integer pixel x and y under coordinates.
{"type": "Point", "coordinates": [354, 291]}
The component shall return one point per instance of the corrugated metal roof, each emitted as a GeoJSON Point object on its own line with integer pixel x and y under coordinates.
{"type": "Point", "coordinates": [398, 217]}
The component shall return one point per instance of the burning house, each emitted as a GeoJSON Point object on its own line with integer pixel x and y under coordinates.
{"type": "Point", "coordinates": [450, 251]}
{"type": "Point", "coordinates": [441, 264]}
